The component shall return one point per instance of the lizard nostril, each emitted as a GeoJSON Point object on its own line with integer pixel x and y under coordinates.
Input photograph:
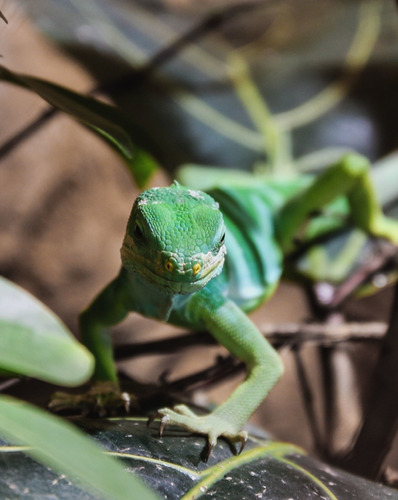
{"type": "Point", "coordinates": [196, 268]}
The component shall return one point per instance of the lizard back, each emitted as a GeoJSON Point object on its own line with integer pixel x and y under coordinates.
{"type": "Point", "coordinates": [253, 263]}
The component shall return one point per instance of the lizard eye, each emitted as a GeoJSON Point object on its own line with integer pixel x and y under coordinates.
{"type": "Point", "coordinates": [222, 240]}
{"type": "Point", "coordinates": [169, 266]}
{"type": "Point", "coordinates": [138, 233]}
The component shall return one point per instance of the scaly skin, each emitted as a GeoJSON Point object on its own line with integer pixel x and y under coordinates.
{"type": "Point", "coordinates": [172, 269]}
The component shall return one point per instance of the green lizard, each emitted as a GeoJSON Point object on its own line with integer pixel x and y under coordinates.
{"type": "Point", "coordinates": [203, 260]}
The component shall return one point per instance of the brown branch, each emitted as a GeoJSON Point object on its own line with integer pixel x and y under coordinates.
{"type": "Point", "coordinates": [329, 401]}
{"type": "Point", "coordinates": [164, 346]}
{"type": "Point", "coordinates": [323, 333]}
{"type": "Point", "coordinates": [278, 334]}
{"type": "Point", "coordinates": [27, 131]}
{"type": "Point", "coordinates": [381, 417]}
{"type": "Point", "coordinates": [9, 383]}
{"type": "Point", "coordinates": [222, 369]}
{"type": "Point", "coordinates": [384, 253]}
{"type": "Point", "coordinates": [307, 397]}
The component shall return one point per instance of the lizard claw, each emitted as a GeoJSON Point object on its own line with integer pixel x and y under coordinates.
{"type": "Point", "coordinates": [243, 440]}
{"type": "Point", "coordinates": [126, 398]}
{"type": "Point", "coordinates": [164, 421]}
{"type": "Point", "coordinates": [152, 418]}
{"type": "Point", "coordinates": [211, 444]}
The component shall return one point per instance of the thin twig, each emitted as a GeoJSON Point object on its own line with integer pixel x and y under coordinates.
{"type": "Point", "coordinates": [9, 383]}
{"type": "Point", "coordinates": [328, 395]}
{"type": "Point", "coordinates": [27, 131]}
{"type": "Point", "coordinates": [202, 28]}
{"type": "Point", "coordinates": [386, 252]}
{"type": "Point", "coordinates": [308, 401]}
{"type": "Point", "coordinates": [323, 334]}
{"type": "Point", "coordinates": [164, 346]}
{"type": "Point", "coordinates": [222, 369]}
{"type": "Point", "coordinates": [280, 334]}
{"type": "Point", "coordinates": [2, 16]}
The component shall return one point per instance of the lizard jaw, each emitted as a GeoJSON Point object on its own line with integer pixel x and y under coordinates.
{"type": "Point", "coordinates": [182, 287]}
{"type": "Point", "coordinates": [133, 262]}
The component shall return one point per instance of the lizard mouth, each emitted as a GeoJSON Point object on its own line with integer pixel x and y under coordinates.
{"type": "Point", "coordinates": [184, 287]}
{"type": "Point", "coordinates": [183, 284]}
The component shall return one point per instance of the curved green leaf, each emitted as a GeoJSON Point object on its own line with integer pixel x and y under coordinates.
{"type": "Point", "coordinates": [171, 466]}
{"type": "Point", "coordinates": [67, 450]}
{"type": "Point", "coordinates": [104, 119]}
{"type": "Point", "coordinates": [34, 342]}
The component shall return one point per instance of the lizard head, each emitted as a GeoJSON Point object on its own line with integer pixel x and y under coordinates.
{"type": "Point", "coordinates": [175, 238]}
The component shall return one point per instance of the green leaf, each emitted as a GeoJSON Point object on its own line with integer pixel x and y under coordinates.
{"type": "Point", "coordinates": [34, 342]}
{"type": "Point", "coordinates": [186, 101]}
{"type": "Point", "coordinates": [104, 119]}
{"type": "Point", "coordinates": [171, 466]}
{"type": "Point", "coordinates": [67, 450]}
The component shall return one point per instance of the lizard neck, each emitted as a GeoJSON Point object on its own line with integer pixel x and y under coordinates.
{"type": "Point", "coordinates": [149, 299]}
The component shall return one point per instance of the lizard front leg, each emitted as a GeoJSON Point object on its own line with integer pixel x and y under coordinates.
{"type": "Point", "coordinates": [107, 309]}
{"type": "Point", "coordinates": [234, 330]}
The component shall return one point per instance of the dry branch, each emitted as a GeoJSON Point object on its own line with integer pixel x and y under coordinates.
{"type": "Point", "coordinates": [279, 334]}
{"type": "Point", "coordinates": [380, 422]}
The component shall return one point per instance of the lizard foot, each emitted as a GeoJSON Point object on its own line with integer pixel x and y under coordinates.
{"type": "Point", "coordinates": [102, 398]}
{"type": "Point", "coordinates": [212, 426]}
{"type": "Point", "coordinates": [386, 227]}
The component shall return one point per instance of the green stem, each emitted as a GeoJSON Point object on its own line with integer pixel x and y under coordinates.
{"type": "Point", "coordinates": [356, 59]}
{"type": "Point", "coordinates": [218, 471]}
{"type": "Point", "coordinates": [275, 142]}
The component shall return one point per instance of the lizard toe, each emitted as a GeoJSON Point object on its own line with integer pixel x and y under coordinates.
{"type": "Point", "coordinates": [184, 410]}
